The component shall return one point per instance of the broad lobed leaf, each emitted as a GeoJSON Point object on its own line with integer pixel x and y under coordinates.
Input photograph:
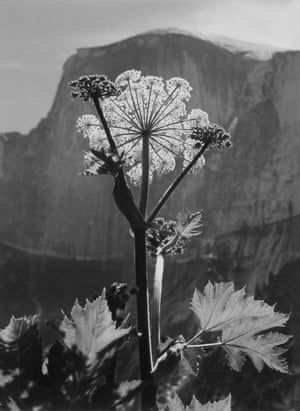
{"type": "Point", "coordinates": [244, 323]}
{"type": "Point", "coordinates": [177, 405]}
{"type": "Point", "coordinates": [91, 328]}
{"type": "Point", "coordinates": [75, 371]}
{"type": "Point", "coordinates": [219, 306]}
{"type": "Point", "coordinates": [261, 349]}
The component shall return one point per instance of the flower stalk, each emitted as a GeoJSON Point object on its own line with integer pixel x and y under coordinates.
{"type": "Point", "coordinates": [145, 176]}
{"type": "Point", "coordinates": [143, 319]}
{"type": "Point", "coordinates": [175, 183]}
{"type": "Point", "coordinates": [104, 124]}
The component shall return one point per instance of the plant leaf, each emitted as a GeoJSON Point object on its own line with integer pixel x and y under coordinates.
{"type": "Point", "coordinates": [261, 349]}
{"type": "Point", "coordinates": [21, 359]}
{"type": "Point", "coordinates": [222, 405]}
{"type": "Point", "coordinates": [244, 323]}
{"type": "Point", "coordinates": [172, 237]}
{"type": "Point", "coordinates": [69, 378]}
{"type": "Point", "coordinates": [12, 406]}
{"type": "Point", "coordinates": [91, 328]}
{"type": "Point", "coordinates": [16, 329]}
{"type": "Point", "coordinates": [219, 305]}
{"type": "Point", "coordinates": [189, 225]}
{"type": "Point", "coordinates": [174, 405]}
{"type": "Point", "coordinates": [177, 405]}
{"type": "Point", "coordinates": [127, 390]}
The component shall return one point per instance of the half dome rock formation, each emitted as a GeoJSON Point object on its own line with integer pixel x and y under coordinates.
{"type": "Point", "coordinates": [250, 196]}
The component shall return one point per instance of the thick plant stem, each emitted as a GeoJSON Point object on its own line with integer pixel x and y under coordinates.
{"type": "Point", "coordinates": [175, 183]}
{"type": "Point", "coordinates": [143, 319]}
{"type": "Point", "coordinates": [125, 202]}
{"type": "Point", "coordinates": [145, 176]}
{"type": "Point", "coordinates": [157, 293]}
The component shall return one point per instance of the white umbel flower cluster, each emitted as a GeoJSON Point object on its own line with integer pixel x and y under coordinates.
{"type": "Point", "coordinates": [147, 108]}
{"type": "Point", "coordinates": [89, 126]}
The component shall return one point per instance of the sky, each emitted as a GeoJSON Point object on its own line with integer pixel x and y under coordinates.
{"type": "Point", "coordinates": [37, 36]}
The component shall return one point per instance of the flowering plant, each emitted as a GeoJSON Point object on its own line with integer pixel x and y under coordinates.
{"type": "Point", "coordinates": [142, 129]}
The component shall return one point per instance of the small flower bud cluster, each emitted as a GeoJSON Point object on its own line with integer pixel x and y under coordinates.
{"type": "Point", "coordinates": [213, 134]}
{"type": "Point", "coordinates": [93, 86]}
{"type": "Point", "coordinates": [162, 233]}
{"type": "Point", "coordinates": [101, 162]}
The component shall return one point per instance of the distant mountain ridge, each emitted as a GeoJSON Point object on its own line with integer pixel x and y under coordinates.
{"type": "Point", "coordinates": [254, 50]}
{"type": "Point", "coordinates": [51, 209]}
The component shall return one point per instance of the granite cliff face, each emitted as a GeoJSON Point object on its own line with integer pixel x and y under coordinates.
{"type": "Point", "coordinates": [250, 195]}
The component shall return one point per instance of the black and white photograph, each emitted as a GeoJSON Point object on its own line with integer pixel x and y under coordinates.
{"type": "Point", "coordinates": [150, 205]}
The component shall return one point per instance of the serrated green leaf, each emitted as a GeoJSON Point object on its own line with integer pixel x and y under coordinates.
{"type": "Point", "coordinates": [244, 323]}
{"type": "Point", "coordinates": [261, 349]}
{"type": "Point", "coordinates": [189, 225]}
{"type": "Point", "coordinates": [91, 328]}
{"type": "Point", "coordinates": [177, 405]}
{"type": "Point", "coordinates": [222, 405]}
{"type": "Point", "coordinates": [219, 305]}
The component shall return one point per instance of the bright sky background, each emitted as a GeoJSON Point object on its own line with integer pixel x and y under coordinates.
{"type": "Point", "coordinates": [37, 36]}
